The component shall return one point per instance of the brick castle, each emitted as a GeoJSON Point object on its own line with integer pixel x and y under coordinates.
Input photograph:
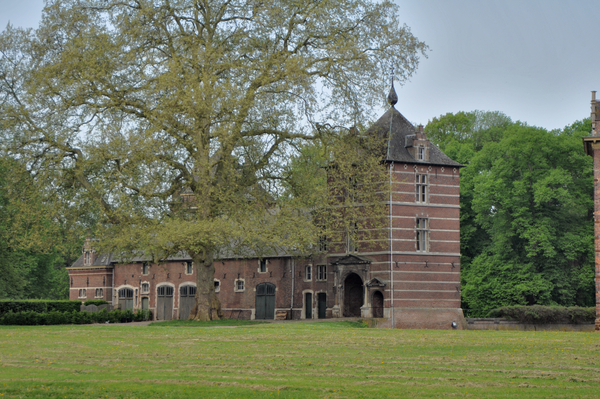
{"type": "Point", "coordinates": [410, 281]}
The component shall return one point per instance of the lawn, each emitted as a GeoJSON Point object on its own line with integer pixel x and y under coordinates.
{"type": "Point", "coordinates": [293, 360]}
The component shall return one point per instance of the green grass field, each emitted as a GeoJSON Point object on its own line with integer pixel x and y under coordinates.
{"type": "Point", "coordinates": [293, 360]}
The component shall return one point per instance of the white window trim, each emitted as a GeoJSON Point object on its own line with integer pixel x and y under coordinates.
{"type": "Point", "coordinates": [266, 266]}
{"type": "Point", "coordinates": [425, 186]}
{"type": "Point", "coordinates": [318, 273]}
{"type": "Point", "coordinates": [306, 277]}
{"type": "Point", "coordinates": [235, 285]}
{"type": "Point", "coordinates": [147, 284]}
{"type": "Point", "coordinates": [218, 289]}
{"type": "Point", "coordinates": [185, 270]}
{"type": "Point", "coordinates": [423, 230]}
{"type": "Point", "coordinates": [82, 293]}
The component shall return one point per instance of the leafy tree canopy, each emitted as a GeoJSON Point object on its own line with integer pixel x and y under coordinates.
{"type": "Point", "coordinates": [173, 120]}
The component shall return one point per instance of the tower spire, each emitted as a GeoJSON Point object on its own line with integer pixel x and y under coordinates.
{"type": "Point", "coordinates": [392, 97]}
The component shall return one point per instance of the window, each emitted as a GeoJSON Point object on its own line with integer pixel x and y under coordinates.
{"type": "Point", "coordinates": [421, 153]}
{"type": "Point", "coordinates": [99, 293]}
{"type": "Point", "coordinates": [189, 268]}
{"type": "Point", "coordinates": [308, 273]}
{"type": "Point", "coordinates": [82, 293]}
{"type": "Point", "coordinates": [321, 272]}
{"type": "Point", "coordinates": [421, 234]}
{"type": "Point", "coordinates": [239, 285]}
{"type": "Point", "coordinates": [87, 259]}
{"type": "Point", "coordinates": [262, 266]}
{"type": "Point", "coordinates": [145, 288]}
{"type": "Point", "coordinates": [322, 243]}
{"type": "Point", "coordinates": [421, 194]}
{"type": "Point", "coordinates": [352, 237]}
{"type": "Point", "coordinates": [145, 269]}
{"type": "Point", "coordinates": [217, 286]}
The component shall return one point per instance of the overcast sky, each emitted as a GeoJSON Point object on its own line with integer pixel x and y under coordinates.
{"type": "Point", "coordinates": [534, 60]}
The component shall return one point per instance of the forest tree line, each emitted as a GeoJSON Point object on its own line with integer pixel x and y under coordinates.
{"type": "Point", "coordinates": [526, 216]}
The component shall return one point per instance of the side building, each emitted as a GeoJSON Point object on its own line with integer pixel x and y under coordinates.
{"type": "Point", "coordinates": [410, 280]}
{"type": "Point", "coordinates": [592, 148]}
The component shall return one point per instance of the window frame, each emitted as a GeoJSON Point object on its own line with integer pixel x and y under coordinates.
{"type": "Point", "coordinates": [321, 273]}
{"type": "Point", "coordinates": [263, 265]}
{"type": "Point", "coordinates": [189, 268]}
{"type": "Point", "coordinates": [237, 283]}
{"type": "Point", "coordinates": [422, 234]}
{"type": "Point", "coordinates": [145, 269]}
{"type": "Point", "coordinates": [145, 284]}
{"type": "Point", "coordinates": [217, 285]}
{"type": "Point", "coordinates": [82, 293]}
{"type": "Point", "coordinates": [99, 293]}
{"type": "Point", "coordinates": [308, 272]}
{"type": "Point", "coordinates": [421, 188]}
{"type": "Point", "coordinates": [421, 153]}
{"type": "Point", "coordinates": [352, 238]}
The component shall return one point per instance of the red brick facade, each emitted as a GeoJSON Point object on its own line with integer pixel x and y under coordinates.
{"type": "Point", "coordinates": [411, 278]}
{"type": "Point", "coordinates": [592, 147]}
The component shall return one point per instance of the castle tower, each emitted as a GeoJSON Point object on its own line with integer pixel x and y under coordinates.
{"type": "Point", "coordinates": [413, 279]}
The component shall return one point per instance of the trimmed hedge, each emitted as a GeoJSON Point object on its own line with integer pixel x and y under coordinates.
{"type": "Point", "coordinates": [31, 318]}
{"type": "Point", "coordinates": [96, 302]}
{"type": "Point", "coordinates": [38, 305]}
{"type": "Point", "coordinates": [546, 314]}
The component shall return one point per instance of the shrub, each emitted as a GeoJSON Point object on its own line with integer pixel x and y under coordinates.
{"type": "Point", "coordinates": [63, 306]}
{"type": "Point", "coordinates": [39, 306]}
{"type": "Point", "coordinates": [31, 318]}
{"type": "Point", "coordinates": [142, 315]}
{"type": "Point", "coordinates": [96, 302]}
{"type": "Point", "coordinates": [546, 314]}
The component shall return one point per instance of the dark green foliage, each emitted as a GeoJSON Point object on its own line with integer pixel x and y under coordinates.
{"type": "Point", "coordinates": [526, 210]}
{"type": "Point", "coordinates": [39, 306]}
{"type": "Point", "coordinates": [546, 314]}
{"type": "Point", "coordinates": [96, 302]}
{"type": "Point", "coordinates": [63, 306]}
{"type": "Point", "coordinates": [32, 318]}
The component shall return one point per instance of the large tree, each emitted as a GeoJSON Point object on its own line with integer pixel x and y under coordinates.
{"type": "Point", "coordinates": [172, 118]}
{"type": "Point", "coordinates": [528, 238]}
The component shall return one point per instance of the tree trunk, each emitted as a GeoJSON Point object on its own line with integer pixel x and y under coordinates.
{"type": "Point", "coordinates": [208, 306]}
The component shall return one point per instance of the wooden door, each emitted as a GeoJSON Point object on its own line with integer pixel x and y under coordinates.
{"type": "Point", "coordinates": [265, 302]}
{"type": "Point", "coordinates": [377, 304]}
{"type": "Point", "coordinates": [308, 305]}
{"type": "Point", "coordinates": [187, 298]}
{"type": "Point", "coordinates": [164, 303]}
{"type": "Point", "coordinates": [322, 301]}
{"type": "Point", "coordinates": [126, 298]}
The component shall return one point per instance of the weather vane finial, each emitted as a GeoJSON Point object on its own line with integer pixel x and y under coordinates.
{"type": "Point", "coordinates": [392, 97]}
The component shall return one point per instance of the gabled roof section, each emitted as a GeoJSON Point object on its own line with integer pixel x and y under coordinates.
{"type": "Point", "coordinates": [102, 260]}
{"type": "Point", "coordinates": [394, 129]}
{"type": "Point", "coordinates": [352, 259]}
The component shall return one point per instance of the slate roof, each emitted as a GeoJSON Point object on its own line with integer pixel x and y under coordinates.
{"type": "Point", "coordinates": [110, 259]}
{"type": "Point", "coordinates": [401, 128]}
{"type": "Point", "coordinates": [102, 260]}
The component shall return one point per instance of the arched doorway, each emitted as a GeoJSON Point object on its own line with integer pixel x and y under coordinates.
{"type": "Point", "coordinates": [377, 304]}
{"type": "Point", "coordinates": [353, 295]}
{"type": "Point", "coordinates": [265, 301]}
{"type": "Point", "coordinates": [126, 298]}
{"type": "Point", "coordinates": [187, 299]}
{"type": "Point", "coordinates": [164, 303]}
